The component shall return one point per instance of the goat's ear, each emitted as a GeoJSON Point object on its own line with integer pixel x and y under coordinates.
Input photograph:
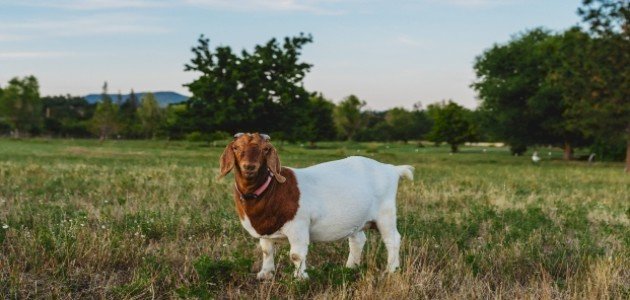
{"type": "Point", "coordinates": [273, 162]}
{"type": "Point", "coordinates": [227, 160]}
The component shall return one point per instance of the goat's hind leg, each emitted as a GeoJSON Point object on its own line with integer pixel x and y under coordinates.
{"type": "Point", "coordinates": [386, 224]}
{"type": "Point", "coordinates": [356, 241]}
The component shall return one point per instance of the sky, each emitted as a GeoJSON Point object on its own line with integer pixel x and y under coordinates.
{"type": "Point", "coordinates": [388, 53]}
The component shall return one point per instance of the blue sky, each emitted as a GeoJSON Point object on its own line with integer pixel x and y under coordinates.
{"type": "Point", "coordinates": [389, 53]}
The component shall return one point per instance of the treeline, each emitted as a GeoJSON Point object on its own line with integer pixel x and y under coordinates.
{"type": "Point", "coordinates": [24, 113]}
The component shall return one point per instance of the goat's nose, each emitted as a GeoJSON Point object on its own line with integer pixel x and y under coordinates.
{"type": "Point", "coordinates": [249, 167]}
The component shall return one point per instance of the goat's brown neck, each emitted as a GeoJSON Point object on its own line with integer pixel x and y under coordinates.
{"type": "Point", "coordinates": [247, 186]}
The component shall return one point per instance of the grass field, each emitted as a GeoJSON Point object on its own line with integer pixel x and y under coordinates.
{"type": "Point", "coordinates": [135, 220]}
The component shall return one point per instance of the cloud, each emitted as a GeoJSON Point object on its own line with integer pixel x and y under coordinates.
{"type": "Point", "coordinates": [32, 54]}
{"type": "Point", "coordinates": [92, 4]}
{"type": "Point", "coordinates": [312, 6]}
{"type": "Point", "coordinates": [11, 37]}
{"type": "Point", "coordinates": [406, 40]}
{"type": "Point", "coordinates": [89, 25]}
{"type": "Point", "coordinates": [474, 3]}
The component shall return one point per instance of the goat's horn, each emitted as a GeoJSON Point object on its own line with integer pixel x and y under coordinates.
{"type": "Point", "coordinates": [265, 137]}
{"type": "Point", "coordinates": [238, 135]}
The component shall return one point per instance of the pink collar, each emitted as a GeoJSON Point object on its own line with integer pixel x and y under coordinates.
{"type": "Point", "coordinates": [257, 192]}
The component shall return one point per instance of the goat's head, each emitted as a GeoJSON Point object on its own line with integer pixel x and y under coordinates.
{"type": "Point", "coordinates": [251, 153]}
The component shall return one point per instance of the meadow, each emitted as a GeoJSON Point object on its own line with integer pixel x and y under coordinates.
{"type": "Point", "coordinates": [149, 219]}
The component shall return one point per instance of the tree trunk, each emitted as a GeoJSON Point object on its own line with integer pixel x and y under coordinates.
{"type": "Point", "coordinates": [568, 151]}
{"type": "Point", "coordinates": [628, 156]}
{"type": "Point", "coordinates": [16, 133]}
{"type": "Point", "coordinates": [453, 148]}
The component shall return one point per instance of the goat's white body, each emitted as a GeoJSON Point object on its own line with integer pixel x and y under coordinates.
{"type": "Point", "coordinates": [337, 200]}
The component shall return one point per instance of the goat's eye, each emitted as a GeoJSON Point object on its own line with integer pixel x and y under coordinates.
{"type": "Point", "coordinates": [267, 149]}
{"type": "Point", "coordinates": [235, 148]}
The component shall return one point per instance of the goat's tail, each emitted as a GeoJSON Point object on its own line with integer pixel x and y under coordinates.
{"type": "Point", "coordinates": [405, 171]}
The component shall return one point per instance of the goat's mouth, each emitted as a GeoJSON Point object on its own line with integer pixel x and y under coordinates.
{"type": "Point", "coordinates": [250, 174]}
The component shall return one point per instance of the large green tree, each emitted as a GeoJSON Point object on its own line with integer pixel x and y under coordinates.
{"type": "Point", "coordinates": [518, 92]}
{"type": "Point", "coordinates": [451, 124]}
{"type": "Point", "coordinates": [21, 106]}
{"type": "Point", "coordinates": [601, 107]}
{"type": "Point", "coordinates": [260, 90]}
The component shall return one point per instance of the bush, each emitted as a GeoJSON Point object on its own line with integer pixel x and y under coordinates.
{"type": "Point", "coordinates": [609, 151]}
{"type": "Point", "coordinates": [196, 136]}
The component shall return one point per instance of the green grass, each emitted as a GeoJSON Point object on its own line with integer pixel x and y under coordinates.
{"type": "Point", "coordinates": [144, 219]}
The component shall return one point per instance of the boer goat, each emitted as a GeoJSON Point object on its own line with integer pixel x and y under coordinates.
{"type": "Point", "coordinates": [325, 202]}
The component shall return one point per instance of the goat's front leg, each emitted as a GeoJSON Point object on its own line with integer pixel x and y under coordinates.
{"type": "Point", "coordinates": [299, 240]}
{"type": "Point", "coordinates": [267, 269]}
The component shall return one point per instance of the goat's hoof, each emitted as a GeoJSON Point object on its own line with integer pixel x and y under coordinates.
{"type": "Point", "coordinates": [264, 275]}
{"type": "Point", "coordinates": [351, 265]}
{"type": "Point", "coordinates": [300, 275]}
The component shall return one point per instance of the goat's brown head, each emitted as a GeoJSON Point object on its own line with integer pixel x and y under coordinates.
{"type": "Point", "coordinates": [251, 153]}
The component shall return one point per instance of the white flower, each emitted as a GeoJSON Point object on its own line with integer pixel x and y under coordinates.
{"type": "Point", "coordinates": [103, 226]}
{"type": "Point", "coordinates": [5, 226]}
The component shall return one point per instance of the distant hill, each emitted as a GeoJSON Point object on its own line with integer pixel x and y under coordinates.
{"type": "Point", "coordinates": [164, 98]}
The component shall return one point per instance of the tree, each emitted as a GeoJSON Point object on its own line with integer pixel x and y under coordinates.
{"type": "Point", "coordinates": [129, 123]}
{"type": "Point", "coordinates": [348, 117]}
{"type": "Point", "coordinates": [257, 91]}
{"type": "Point", "coordinates": [67, 116]}
{"type": "Point", "coordinates": [520, 95]}
{"type": "Point", "coordinates": [451, 125]}
{"type": "Point", "coordinates": [556, 93]}
{"type": "Point", "coordinates": [105, 119]}
{"type": "Point", "coordinates": [322, 125]}
{"type": "Point", "coordinates": [150, 115]}
{"type": "Point", "coordinates": [21, 106]}
{"type": "Point", "coordinates": [602, 107]}
{"type": "Point", "coordinates": [406, 125]}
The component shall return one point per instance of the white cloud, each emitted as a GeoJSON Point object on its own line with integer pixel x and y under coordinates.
{"type": "Point", "coordinates": [312, 6]}
{"type": "Point", "coordinates": [101, 24]}
{"type": "Point", "coordinates": [32, 54]}
{"type": "Point", "coordinates": [474, 3]}
{"type": "Point", "coordinates": [92, 4]}
{"type": "Point", "coordinates": [410, 41]}
{"type": "Point", "coordinates": [11, 37]}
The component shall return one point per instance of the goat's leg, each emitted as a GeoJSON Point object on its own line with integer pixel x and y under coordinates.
{"type": "Point", "coordinates": [356, 241]}
{"type": "Point", "coordinates": [386, 224]}
{"type": "Point", "coordinates": [267, 269]}
{"type": "Point", "coordinates": [299, 241]}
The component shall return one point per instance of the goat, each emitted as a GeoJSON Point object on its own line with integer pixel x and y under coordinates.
{"type": "Point", "coordinates": [325, 202]}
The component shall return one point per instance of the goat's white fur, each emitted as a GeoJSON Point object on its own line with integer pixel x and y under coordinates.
{"type": "Point", "coordinates": [337, 200]}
